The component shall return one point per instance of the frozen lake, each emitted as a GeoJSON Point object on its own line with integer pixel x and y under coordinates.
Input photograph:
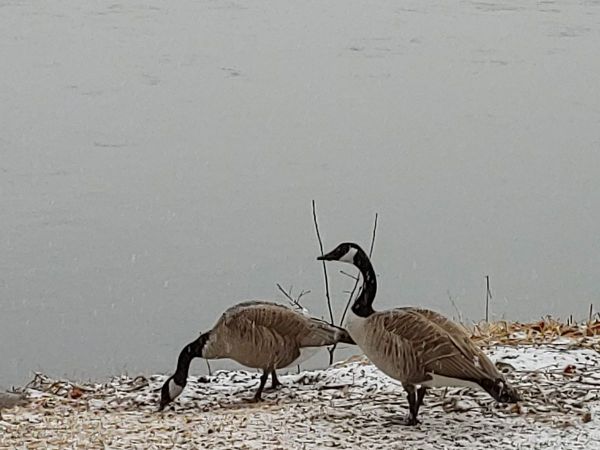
{"type": "Point", "coordinates": [158, 159]}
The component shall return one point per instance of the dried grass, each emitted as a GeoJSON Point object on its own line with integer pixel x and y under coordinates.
{"type": "Point", "coordinates": [544, 331]}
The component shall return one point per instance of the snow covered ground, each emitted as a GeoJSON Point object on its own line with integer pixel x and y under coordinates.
{"type": "Point", "coordinates": [349, 405]}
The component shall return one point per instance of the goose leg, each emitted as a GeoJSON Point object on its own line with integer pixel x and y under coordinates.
{"type": "Point", "coordinates": [275, 383]}
{"type": "Point", "coordinates": [263, 381]}
{"type": "Point", "coordinates": [413, 407]}
{"type": "Point", "coordinates": [420, 394]}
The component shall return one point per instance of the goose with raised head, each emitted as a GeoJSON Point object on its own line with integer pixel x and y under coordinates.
{"type": "Point", "coordinates": [418, 347]}
{"type": "Point", "coordinates": [260, 335]}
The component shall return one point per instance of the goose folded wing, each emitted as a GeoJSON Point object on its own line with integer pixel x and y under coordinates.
{"type": "Point", "coordinates": [448, 325]}
{"type": "Point", "coordinates": [432, 348]}
{"type": "Point", "coordinates": [461, 337]}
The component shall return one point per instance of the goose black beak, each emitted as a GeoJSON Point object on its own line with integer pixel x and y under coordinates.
{"type": "Point", "coordinates": [326, 257]}
{"type": "Point", "coordinates": [164, 399]}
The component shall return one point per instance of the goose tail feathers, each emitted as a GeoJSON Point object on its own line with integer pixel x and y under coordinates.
{"type": "Point", "coordinates": [345, 338]}
{"type": "Point", "coordinates": [324, 333]}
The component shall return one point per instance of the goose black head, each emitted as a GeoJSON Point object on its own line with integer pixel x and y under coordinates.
{"type": "Point", "coordinates": [169, 392]}
{"type": "Point", "coordinates": [176, 383]}
{"type": "Point", "coordinates": [345, 252]}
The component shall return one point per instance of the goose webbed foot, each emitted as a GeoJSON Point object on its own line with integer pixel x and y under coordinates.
{"type": "Point", "coordinates": [407, 421]}
{"type": "Point", "coordinates": [411, 420]}
{"type": "Point", "coordinates": [256, 399]}
{"type": "Point", "coordinates": [275, 383]}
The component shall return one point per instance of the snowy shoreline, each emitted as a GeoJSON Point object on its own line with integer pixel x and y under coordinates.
{"type": "Point", "coordinates": [348, 405]}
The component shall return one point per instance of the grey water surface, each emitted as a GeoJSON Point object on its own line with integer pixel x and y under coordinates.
{"type": "Point", "coordinates": [158, 161]}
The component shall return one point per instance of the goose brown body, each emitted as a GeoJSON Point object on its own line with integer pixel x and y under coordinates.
{"type": "Point", "coordinates": [268, 336]}
{"type": "Point", "coordinates": [257, 334]}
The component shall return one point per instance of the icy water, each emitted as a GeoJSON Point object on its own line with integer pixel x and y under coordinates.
{"type": "Point", "coordinates": [158, 159]}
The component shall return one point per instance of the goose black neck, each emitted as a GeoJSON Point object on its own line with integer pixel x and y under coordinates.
{"type": "Point", "coordinates": [363, 305]}
{"type": "Point", "coordinates": [189, 352]}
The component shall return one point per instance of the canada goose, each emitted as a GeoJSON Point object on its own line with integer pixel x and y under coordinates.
{"type": "Point", "coordinates": [418, 347]}
{"type": "Point", "coordinates": [10, 400]}
{"type": "Point", "coordinates": [257, 334]}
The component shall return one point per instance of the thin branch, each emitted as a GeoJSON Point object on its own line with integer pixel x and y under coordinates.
{"type": "Point", "coordinates": [349, 300]}
{"type": "Point", "coordinates": [373, 236]}
{"type": "Point", "coordinates": [488, 297]}
{"type": "Point", "coordinates": [288, 295]}
{"type": "Point", "coordinates": [283, 291]}
{"type": "Point", "coordinates": [460, 318]}
{"type": "Point", "coordinates": [355, 278]}
{"type": "Point", "coordinates": [314, 211]}
{"type": "Point", "coordinates": [302, 294]}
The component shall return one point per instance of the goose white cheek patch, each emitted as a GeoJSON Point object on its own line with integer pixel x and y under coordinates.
{"type": "Point", "coordinates": [174, 389]}
{"type": "Point", "coordinates": [349, 256]}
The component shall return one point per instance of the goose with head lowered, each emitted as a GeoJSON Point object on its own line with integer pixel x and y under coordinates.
{"type": "Point", "coordinates": [418, 347]}
{"type": "Point", "coordinates": [260, 335]}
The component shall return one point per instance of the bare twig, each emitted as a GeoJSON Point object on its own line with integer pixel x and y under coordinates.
{"type": "Point", "coordinates": [349, 275]}
{"type": "Point", "coordinates": [300, 295]}
{"type": "Point", "coordinates": [289, 296]}
{"type": "Point", "coordinates": [488, 296]}
{"type": "Point", "coordinates": [373, 235]}
{"type": "Point", "coordinates": [283, 291]}
{"type": "Point", "coordinates": [350, 297]}
{"type": "Point", "coordinates": [460, 318]}
{"type": "Point", "coordinates": [327, 296]}
{"type": "Point", "coordinates": [314, 211]}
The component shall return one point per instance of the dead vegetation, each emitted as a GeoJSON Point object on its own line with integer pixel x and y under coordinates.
{"type": "Point", "coordinates": [544, 331]}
